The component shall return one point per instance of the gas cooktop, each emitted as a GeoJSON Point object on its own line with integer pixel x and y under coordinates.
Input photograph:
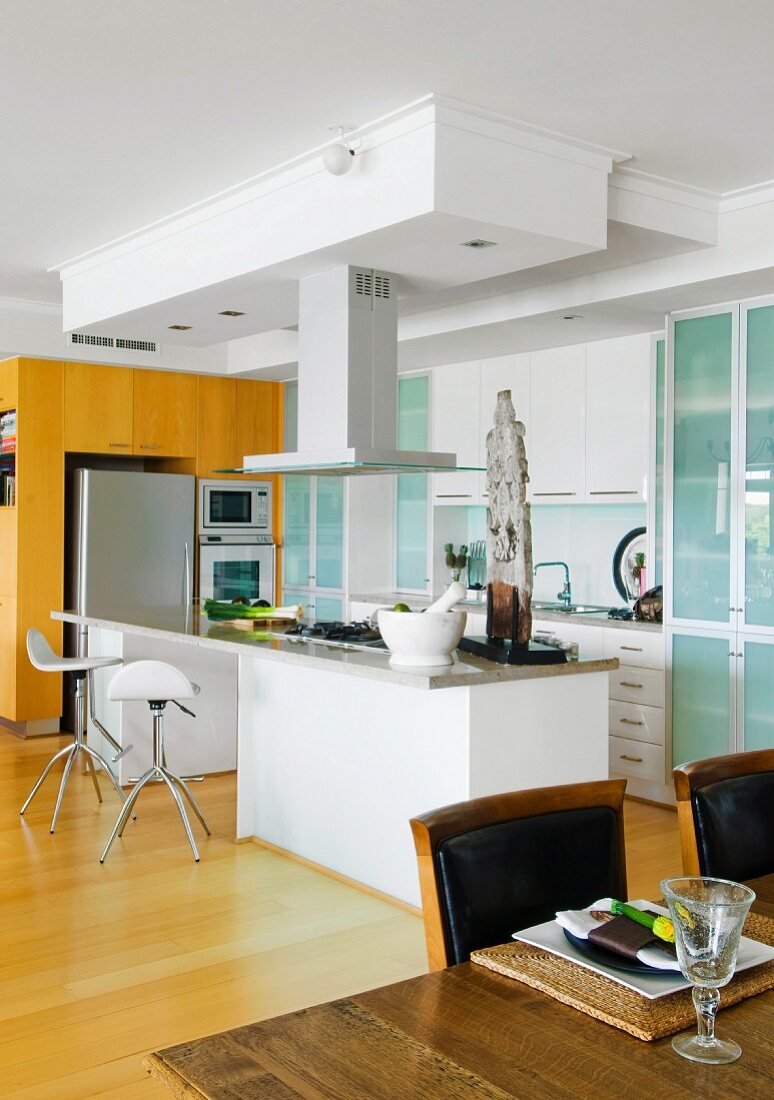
{"type": "Point", "coordinates": [359, 635]}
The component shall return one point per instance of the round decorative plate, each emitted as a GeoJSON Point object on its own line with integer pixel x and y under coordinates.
{"type": "Point", "coordinates": [624, 560]}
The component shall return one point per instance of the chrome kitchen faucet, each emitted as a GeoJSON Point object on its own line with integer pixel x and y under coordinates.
{"type": "Point", "coordinates": [565, 596]}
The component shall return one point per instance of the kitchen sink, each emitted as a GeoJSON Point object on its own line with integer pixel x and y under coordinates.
{"type": "Point", "coordinates": [570, 609]}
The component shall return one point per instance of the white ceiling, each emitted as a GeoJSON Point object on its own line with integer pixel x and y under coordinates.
{"type": "Point", "coordinates": [116, 115]}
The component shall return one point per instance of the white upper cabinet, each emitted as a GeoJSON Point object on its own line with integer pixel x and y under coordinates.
{"type": "Point", "coordinates": [457, 428]}
{"type": "Point", "coordinates": [617, 419]}
{"type": "Point", "coordinates": [556, 437]}
{"type": "Point", "coordinates": [506, 372]}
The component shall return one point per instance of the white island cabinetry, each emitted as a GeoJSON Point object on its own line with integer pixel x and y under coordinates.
{"type": "Point", "coordinates": [337, 750]}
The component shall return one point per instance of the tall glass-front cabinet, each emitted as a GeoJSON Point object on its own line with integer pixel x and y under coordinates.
{"type": "Point", "coordinates": [719, 557]}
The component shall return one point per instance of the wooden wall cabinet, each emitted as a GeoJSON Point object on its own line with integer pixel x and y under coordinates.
{"type": "Point", "coordinates": [9, 390]}
{"type": "Point", "coordinates": [164, 414]}
{"type": "Point", "coordinates": [31, 538]}
{"type": "Point", "coordinates": [98, 408]}
{"type": "Point", "coordinates": [183, 423]}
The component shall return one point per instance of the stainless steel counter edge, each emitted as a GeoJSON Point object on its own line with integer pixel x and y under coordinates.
{"type": "Point", "coordinates": [475, 607]}
{"type": "Point", "coordinates": [185, 626]}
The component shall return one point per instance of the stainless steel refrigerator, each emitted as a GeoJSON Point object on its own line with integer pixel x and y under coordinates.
{"type": "Point", "coordinates": [131, 541]}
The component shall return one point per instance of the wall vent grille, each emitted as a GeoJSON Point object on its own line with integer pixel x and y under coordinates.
{"type": "Point", "coordinates": [382, 287]}
{"type": "Point", "coordinates": [364, 283]}
{"type": "Point", "coordinates": [372, 284]}
{"type": "Point", "coordinates": [120, 343]}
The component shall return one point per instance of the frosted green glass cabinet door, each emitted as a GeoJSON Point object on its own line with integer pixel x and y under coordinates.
{"type": "Point", "coordinates": [757, 668]}
{"type": "Point", "coordinates": [295, 555]}
{"type": "Point", "coordinates": [702, 696]}
{"type": "Point", "coordinates": [702, 476]}
{"type": "Point", "coordinates": [329, 532]}
{"type": "Point", "coordinates": [328, 608]}
{"type": "Point", "coordinates": [412, 491]}
{"type": "Point", "coordinates": [757, 590]}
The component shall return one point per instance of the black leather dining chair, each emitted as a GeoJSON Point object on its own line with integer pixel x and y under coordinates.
{"type": "Point", "coordinates": [493, 866]}
{"type": "Point", "coordinates": [725, 807]}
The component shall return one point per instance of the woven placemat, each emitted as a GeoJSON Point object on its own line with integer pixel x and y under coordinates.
{"type": "Point", "coordinates": [615, 1004]}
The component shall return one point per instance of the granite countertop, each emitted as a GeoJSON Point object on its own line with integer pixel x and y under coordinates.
{"type": "Point", "coordinates": [478, 607]}
{"type": "Point", "coordinates": [188, 626]}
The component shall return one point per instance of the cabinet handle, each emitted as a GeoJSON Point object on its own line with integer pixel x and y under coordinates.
{"type": "Point", "coordinates": [149, 446]}
{"type": "Point", "coordinates": [630, 722]}
{"type": "Point", "coordinates": [632, 648]}
{"type": "Point", "coordinates": [634, 759]}
{"type": "Point", "coordinates": [740, 654]}
{"type": "Point", "coordinates": [613, 493]}
{"type": "Point", "coordinates": [629, 684]}
{"type": "Point", "coordinates": [119, 444]}
{"type": "Point", "coordinates": [554, 494]}
{"type": "Point", "coordinates": [456, 496]}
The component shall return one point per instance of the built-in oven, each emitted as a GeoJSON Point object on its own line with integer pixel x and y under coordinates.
{"type": "Point", "coordinates": [236, 565]}
{"type": "Point", "coordinates": [237, 555]}
{"type": "Point", "coordinates": [235, 506]}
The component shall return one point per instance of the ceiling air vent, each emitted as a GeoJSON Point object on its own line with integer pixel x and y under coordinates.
{"type": "Point", "coordinates": [137, 345]}
{"type": "Point", "coordinates": [86, 339]}
{"type": "Point", "coordinates": [120, 343]}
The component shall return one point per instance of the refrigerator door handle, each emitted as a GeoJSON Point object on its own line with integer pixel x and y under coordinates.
{"type": "Point", "coordinates": [187, 576]}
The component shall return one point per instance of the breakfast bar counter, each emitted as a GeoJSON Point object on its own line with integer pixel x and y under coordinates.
{"type": "Point", "coordinates": [336, 750]}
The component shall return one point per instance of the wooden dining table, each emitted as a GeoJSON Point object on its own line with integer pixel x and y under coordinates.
{"type": "Point", "coordinates": [465, 1032]}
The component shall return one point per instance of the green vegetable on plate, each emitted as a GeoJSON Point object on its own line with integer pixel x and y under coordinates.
{"type": "Point", "coordinates": [661, 927]}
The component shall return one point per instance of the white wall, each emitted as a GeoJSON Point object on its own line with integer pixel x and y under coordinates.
{"type": "Point", "coordinates": [583, 535]}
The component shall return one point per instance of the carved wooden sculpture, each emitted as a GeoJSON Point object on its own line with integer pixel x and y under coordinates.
{"type": "Point", "coordinates": [509, 528]}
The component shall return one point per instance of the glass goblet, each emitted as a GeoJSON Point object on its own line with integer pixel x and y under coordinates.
{"type": "Point", "coordinates": [708, 915]}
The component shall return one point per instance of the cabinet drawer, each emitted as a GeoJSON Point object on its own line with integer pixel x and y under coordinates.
{"type": "Point", "coordinates": [638, 685]}
{"type": "Point", "coordinates": [636, 758]}
{"type": "Point", "coordinates": [635, 647]}
{"type": "Point", "coordinates": [636, 722]}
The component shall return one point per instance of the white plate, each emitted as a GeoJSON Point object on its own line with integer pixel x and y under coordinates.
{"type": "Point", "coordinates": [550, 936]}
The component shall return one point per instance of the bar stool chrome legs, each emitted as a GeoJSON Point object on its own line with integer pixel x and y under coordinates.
{"type": "Point", "coordinates": [148, 680]}
{"type": "Point", "coordinates": [44, 658]}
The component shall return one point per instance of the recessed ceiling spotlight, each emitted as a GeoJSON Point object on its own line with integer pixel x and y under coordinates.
{"type": "Point", "coordinates": [572, 317]}
{"type": "Point", "coordinates": [179, 328]}
{"type": "Point", "coordinates": [231, 313]}
{"type": "Point", "coordinates": [477, 242]}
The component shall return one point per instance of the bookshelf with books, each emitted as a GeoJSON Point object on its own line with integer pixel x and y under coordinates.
{"type": "Point", "coordinates": [8, 458]}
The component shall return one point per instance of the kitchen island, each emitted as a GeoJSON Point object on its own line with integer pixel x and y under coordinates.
{"type": "Point", "coordinates": [336, 750]}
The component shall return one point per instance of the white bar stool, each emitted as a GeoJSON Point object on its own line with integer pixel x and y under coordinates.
{"type": "Point", "coordinates": [156, 683]}
{"type": "Point", "coordinates": [43, 657]}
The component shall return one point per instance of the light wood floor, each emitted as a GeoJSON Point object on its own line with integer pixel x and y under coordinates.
{"type": "Point", "coordinates": [100, 964]}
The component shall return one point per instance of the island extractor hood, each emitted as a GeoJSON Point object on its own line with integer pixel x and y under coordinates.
{"type": "Point", "coordinates": [348, 382]}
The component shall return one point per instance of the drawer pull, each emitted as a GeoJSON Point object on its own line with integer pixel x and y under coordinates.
{"type": "Point", "coordinates": [553, 494]}
{"type": "Point", "coordinates": [453, 496]}
{"type": "Point", "coordinates": [613, 493]}
{"type": "Point", "coordinates": [634, 759]}
{"type": "Point", "coordinates": [630, 722]}
{"type": "Point", "coordinates": [632, 648]}
{"type": "Point", "coordinates": [629, 684]}
{"type": "Point", "coordinates": [149, 446]}
{"type": "Point", "coordinates": [119, 444]}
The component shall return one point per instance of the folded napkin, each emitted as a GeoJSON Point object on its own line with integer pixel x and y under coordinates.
{"type": "Point", "coordinates": [642, 945]}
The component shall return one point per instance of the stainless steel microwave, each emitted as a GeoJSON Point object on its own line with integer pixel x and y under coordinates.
{"type": "Point", "coordinates": [234, 506]}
